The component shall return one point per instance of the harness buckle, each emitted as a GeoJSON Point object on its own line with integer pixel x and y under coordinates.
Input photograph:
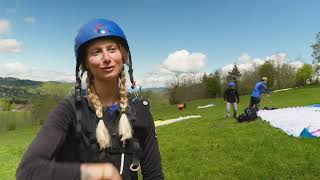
{"type": "Point", "coordinates": [134, 168]}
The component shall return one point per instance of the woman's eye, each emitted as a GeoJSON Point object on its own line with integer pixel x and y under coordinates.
{"type": "Point", "coordinates": [112, 49]}
{"type": "Point", "coordinates": [96, 51]}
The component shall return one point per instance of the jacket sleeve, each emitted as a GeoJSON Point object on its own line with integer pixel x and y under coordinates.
{"type": "Point", "coordinates": [150, 161]}
{"type": "Point", "coordinates": [38, 162]}
{"type": "Point", "coordinates": [225, 95]}
{"type": "Point", "coordinates": [237, 96]}
{"type": "Point", "coordinates": [262, 88]}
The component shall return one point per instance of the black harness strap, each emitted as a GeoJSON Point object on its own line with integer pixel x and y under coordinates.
{"type": "Point", "coordinates": [136, 154]}
{"type": "Point", "coordinates": [77, 122]}
{"type": "Point", "coordinates": [132, 148]}
{"type": "Point", "coordinates": [77, 108]}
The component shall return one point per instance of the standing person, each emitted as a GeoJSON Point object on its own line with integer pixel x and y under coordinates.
{"type": "Point", "coordinates": [103, 135]}
{"type": "Point", "coordinates": [259, 89]}
{"type": "Point", "coordinates": [231, 98]}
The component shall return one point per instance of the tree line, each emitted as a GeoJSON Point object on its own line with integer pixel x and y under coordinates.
{"type": "Point", "coordinates": [186, 87]}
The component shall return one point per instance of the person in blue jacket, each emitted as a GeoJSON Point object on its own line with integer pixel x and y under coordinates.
{"type": "Point", "coordinates": [259, 89]}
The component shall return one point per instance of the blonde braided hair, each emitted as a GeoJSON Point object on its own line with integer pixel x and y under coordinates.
{"type": "Point", "coordinates": [102, 134]}
{"type": "Point", "coordinates": [125, 130]}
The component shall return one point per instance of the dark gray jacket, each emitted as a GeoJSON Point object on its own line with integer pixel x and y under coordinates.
{"type": "Point", "coordinates": [56, 153]}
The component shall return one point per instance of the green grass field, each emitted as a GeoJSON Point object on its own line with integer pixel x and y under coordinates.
{"type": "Point", "coordinates": [213, 147]}
{"type": "Point", "coordinates": [13, 120]}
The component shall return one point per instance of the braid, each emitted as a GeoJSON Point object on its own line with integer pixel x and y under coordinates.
{"type": "Point", "coordinates": [125, 130]}
{"type": "Point", "coordinates": [123, 92]}
{"type": "Point", "coordinates": [95, 102]}
{"type": "Point", "coordinates": [102, 133]}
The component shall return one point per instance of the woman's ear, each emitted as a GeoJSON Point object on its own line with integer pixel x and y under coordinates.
{"type": "Point", "coordinates": [125, 54]}
{"type": "Point", "coordinates": [126, 61]}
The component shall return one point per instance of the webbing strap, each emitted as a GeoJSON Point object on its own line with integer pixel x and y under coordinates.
{"type": "Point", "coordinates": [78, 111]}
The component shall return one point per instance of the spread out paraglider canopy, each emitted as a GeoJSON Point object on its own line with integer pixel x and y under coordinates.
{"type": "Point", "coordinates": [295, 121]}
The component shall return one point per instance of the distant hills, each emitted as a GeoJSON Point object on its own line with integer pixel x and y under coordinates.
{"type": "Point", "coordinates": [10, 87]}
{"type": "Point", "coordinates": [15, 82]}
{"type": "Point", "coordinates": [22, 88]}
{"type": "Point", "coordinates": [8, 92]}
{"type": "Point", "coordinates": [156, 90]}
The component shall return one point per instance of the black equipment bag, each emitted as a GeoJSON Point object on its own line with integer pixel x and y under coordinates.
{"type": "Point", "coordinates": [249, 114]}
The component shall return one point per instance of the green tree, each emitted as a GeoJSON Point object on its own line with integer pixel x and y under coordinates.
{"type": "Point", "coordinates": [316, 49]}
{"type": "Point", "coordinates": [267, 69]}
{"type": "Point", "coordinates": [7, 106]}
{"type": "Point", "coordinates": [234, 74]}
{"type": "Point", "coordinates": [317, 73]}
{"type": "Point", "coordinates": [42, 107]}
{"type": "Point", "coordinates": [304, 74]}
{"type": "Point", "coordinates": [212, 83]}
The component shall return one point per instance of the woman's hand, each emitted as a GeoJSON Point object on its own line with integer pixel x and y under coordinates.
{"type": "Point", "coordinates": [99, 171]}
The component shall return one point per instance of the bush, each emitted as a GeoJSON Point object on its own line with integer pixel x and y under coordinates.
{"type": "Point", "coordinates": [304, 74]}
{"type": "Point", "coordinates": [6, 106]}
{"type": "Point", "coordinates": [12, 125]}
{"type": "Point", "coordinates": [42, 106]}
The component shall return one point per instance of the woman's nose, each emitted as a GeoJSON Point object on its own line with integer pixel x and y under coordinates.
{"type": "Point", "coordinates": [106, 56]}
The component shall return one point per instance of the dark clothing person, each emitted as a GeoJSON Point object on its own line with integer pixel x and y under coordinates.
{"type": "Point", "coordinates": [231, 95]}
{"type": "Point", "coordinates": [56, 152]}
{"type": "Point", "coordinates": [254, 102]}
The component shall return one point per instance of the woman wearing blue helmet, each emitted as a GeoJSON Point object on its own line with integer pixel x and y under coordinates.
{"type": "Point", "coordinates": [231, 97]}
{"type": "Point", "coordinates": [103, 135]}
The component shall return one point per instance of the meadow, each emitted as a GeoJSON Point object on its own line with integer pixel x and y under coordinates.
{"type": "Point", "coordinates": [14, 120]}
{"type": "Point", "coordinates": [213, 147]}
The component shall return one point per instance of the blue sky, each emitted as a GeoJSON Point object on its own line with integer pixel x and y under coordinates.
{"type": "Point", "coordinates": [202, 35]}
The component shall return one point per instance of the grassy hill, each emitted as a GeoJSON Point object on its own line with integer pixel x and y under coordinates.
{"type": "Point", "coordinates": [9, 92]}
{"type": "Point", "coordinates": [52, 88]}
{"type": "Point", "coordinates": [15, 82]}
{"type": "Point", "coordinates": [213, 147]}
{"type": "Point", "coordinates": [10, 87]}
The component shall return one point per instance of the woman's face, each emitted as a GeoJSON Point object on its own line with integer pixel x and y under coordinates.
{"type": "Point", "coordinates": [104, 59]}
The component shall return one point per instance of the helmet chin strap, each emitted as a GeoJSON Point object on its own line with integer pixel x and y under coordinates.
{"type": "Point", "coordinates": [130, 71]}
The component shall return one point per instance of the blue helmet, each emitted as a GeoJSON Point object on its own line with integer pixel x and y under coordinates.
{"type": "Point", "coordinates": [231, 84]}
{"type": "Point", "coordinates": [97, 28]}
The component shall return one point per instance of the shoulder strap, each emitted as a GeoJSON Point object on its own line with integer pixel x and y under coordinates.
{"type": "Point", "coordinates": [143, 114]}
{"type": "Point", "coordinates": [76, 108]}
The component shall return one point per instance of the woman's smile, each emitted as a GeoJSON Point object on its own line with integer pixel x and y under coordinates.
{"type": "Point", "coordinates": [108, 68]}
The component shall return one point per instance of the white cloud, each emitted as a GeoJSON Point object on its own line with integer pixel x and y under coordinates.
{"type": "Point", "coordinates": [5, 26]}
{"type": "Point", "coordinates": [247, 63]}
{"type": "Point", "coordinates": [12, 68]}
{"type": "Point", "coordinates": [29, 19]}
{"type": "Point", "coordinates": [244, 58]}
{"type": "Point", "coordinates": [177, 63]}
{"type": "Point", "coordinates": [297, 64]}
{"type": "Point", "coordinates": [11, 11]}
{"type": "Point", "coordinates": [10, 46]}
{"type": "Point", "coordinates": [19, 70]}
{"type": "Point", "coordinates": [278, 58]}
{"type": "Point", "coordinates": [183, 61]}
{"type": "Point", "coordinates": [157, 78]}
